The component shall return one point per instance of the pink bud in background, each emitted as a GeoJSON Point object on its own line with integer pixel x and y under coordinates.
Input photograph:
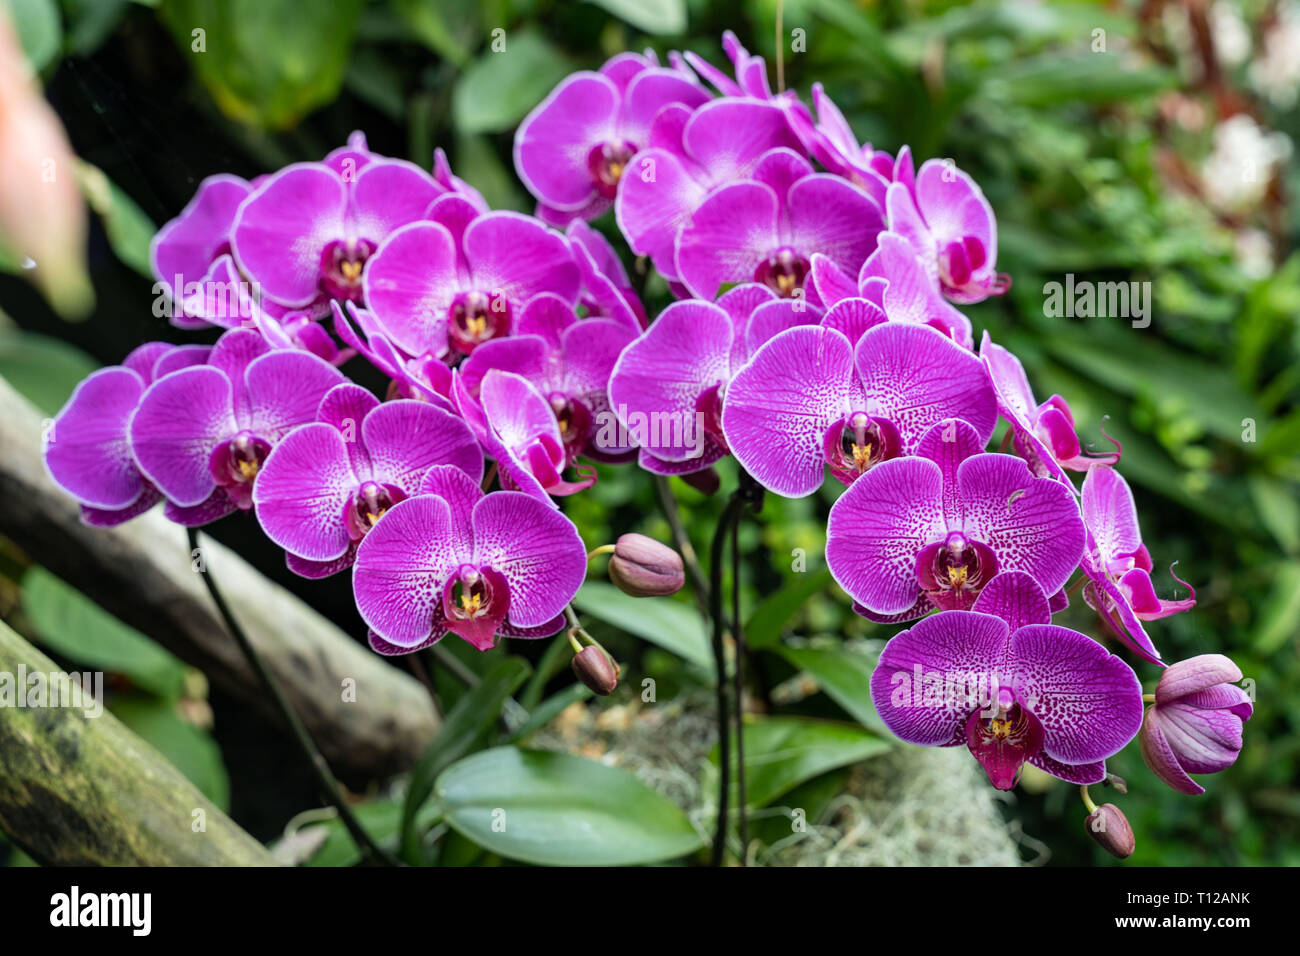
{"type": "Point", "coordinates": [42, 216]}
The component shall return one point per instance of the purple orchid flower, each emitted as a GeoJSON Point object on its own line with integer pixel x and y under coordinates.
{"type": "Point", "coordinates": [689, 154]}
{"type": "Point", "coordinates": [572, 150]}
{"type": "Point", "coordinates": [520, 429]}
{"type": "Point", "coordinates": [424, 378]}
{"type": "Point", "coordinates": [454, 560]}
{"type": "Point", "coordinates": [1195, 724]}
{"type": "Point", "coordinates": [87, 450]}
{"type": "Point", "coordinates": [325, 485]}
{"type": "Point", "coordinates": [569, 362]}
{"type": "Point", "coordinates": [452, 283]}
{"type": "Point", "coordinates": [932, 530]}
{"type": "Point", "coordinates": [809, 399]}
{"type": "Point", "coordinates": [1118, 565]}
{"type": "Point", "coordinates": [1012, 687]}
{"type": "Point", "coordinates": [305, 234]}
{"type": "Point", "coordinates": [894, 280]}
{"type": "Point", "coordinates": [1043, 434]}
{"type": "Point", "coordinates": [830, 141]}
{"type": "Point", "coordinates": [766, 229]}
{"type": "Point", "coordinates": [668, 386]}
{"type": "Point", "coordinates": [951, 227]}
{"type": "Point", "coordinates": [185, 249]}
{"type": "Point", "coordinates": [606, 290]}
{"type": "Point", "coordinates": [202, 434]}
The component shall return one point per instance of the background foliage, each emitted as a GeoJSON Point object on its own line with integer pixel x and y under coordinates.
{"type": "Point", "coordinates": [1095, 162]}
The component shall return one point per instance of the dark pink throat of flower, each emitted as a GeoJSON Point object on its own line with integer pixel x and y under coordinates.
{"type": "Point", "coordinates": [858, 443]}
{"type": "Point", "coordinates": [783, 272]}
{"type": "Point", "coordinates": [477, 317]}
{"type": "Point", "coordinates": [607, 162]}
{"type": "Point", "coordinates": [341, 265]}
{"type": "Point", "coordinates": [953, 572]}
{"type": "Point", "coordinates": [574, 420]}
{"type": "Point", "coordinates": [1002, 736]}
{"type": "Point", "coordinates": [709, 409]}
{"type": "Point", "coordinates": [369, 503]}
{"type": "Point", "coordinates": [235, 465]}
{"type": "Point", "coordinates": [474, 604]}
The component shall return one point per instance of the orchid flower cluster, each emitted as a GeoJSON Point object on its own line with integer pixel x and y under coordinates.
{"type": "Point", "coordinates": [816, 330]}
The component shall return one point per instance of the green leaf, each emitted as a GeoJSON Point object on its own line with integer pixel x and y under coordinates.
{"type": "Point", "coordinates": [548, 710]}
{"type": "Point", "coordinates": [845, 676]}
{"type": "Point", "coordinates": [1091, 78]}
{"type": "Point", "coordinates": [190, 750]}
{"type": "Point", "coordinates": [555, 809]}
{"type": "Point", "coordinates": [660, 17]}
{"type": "Point", "coordinates": [447, 27]}
{"type": "Point", "coordinates": [39, 30]}
{"type": "Point", "coordinates": [472, 715]}
{"type": "Point", "coordinates": [1278, 510]}
{"type": "Point", "coordinates": [44, 370]}
{"type": "Point", "coordinates": [75, 627]}
{"type": "Point", "coordinates": [129, 230]}
{"type": "Point", "coordinates": [670, 624]}
{"type": "Point", "coordinates": [380, 818]}
{"type": "Point", "coordinates": [498, 88]}
{"type": "Point", "coordinates": [769, 619]}
{"type": "Point", "coordinates": [267, 63]}
{"type": "Point", "coordinates": [783, 752]}
{"type": "Point", "coordinates": [1280, 616]}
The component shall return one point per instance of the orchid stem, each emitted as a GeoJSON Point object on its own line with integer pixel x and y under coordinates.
{"type": "Point", "coordinates": [325, 781]}
{"type": "Point", "coordinates": [668, 502]}
{"type": "Point", "coordinates": [780, 46]}
{"type": "Point", "coordinates": [1087, 799]}
{"type": "Point", "coordinates": [738, 688]}
{"type": "Point", "coordinates": [729, 516]}
{"type": "Point", "coordinates": [450, 661]}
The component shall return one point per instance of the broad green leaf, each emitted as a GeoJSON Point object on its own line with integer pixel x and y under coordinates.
{"type": "Point", "coordinates": [472, 715]}
{"type": "Point", "coordinates": [266, 63]}
{"type": "Point", "coordinates": [783, 752]}
{"type": "Point", "coordinates": [44, 370]}
{"type": "Point", "coordinates": [1090, 78]}
{"type": "Point", "coordinates": [661, 17]}
{"type": "Point", "coordinates": [39, 30]}
{"type": "Point", "coordinates": [499, 88]}
{"type": "Point", "coordinates": [75, 627]}
{"type": "Point", "coordinates": [190, 750]}
{"type": "Point", "coordinates": [129, 230]}
{"type": "Point", "coordinates": [555, 809]}
{"type": "Point", "coordinates": [1280, 613]}
{"type": "Point", "coordinates": [549, 709]}
{"type": "Point", "coordinates": [1278, 510]}
{"type": "Point", "coordinates": [845, 676]}
{"type": "Point", "coordinates": [774, 612]}
{"type": "Point", "coordinates": [670, 624]}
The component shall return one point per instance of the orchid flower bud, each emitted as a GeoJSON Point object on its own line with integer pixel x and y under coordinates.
{"type": "Point", "coordinates": [1195, 724]}
{"type": "Point", "coordinates": [596, 669]}
{"type": "Point", "coordinates": [643, 567]}
{"type": "Point", "coordinates": [1109, 827]}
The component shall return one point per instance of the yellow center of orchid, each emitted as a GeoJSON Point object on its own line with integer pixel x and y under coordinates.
{"type": "Point", "coordinates": [247, 469]}
{"type": "Point", "coordinates": [471, 603]}
{"type": "Point", "coordinates": [862, 455]}
{"type": "Point", "coordinates": [957, 576]}
{"type": "Point", "coordinates": [351, 269]}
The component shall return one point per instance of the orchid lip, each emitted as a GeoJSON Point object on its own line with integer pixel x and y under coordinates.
{"type": "Point", "coordinates": [607, 162]}
{"type": "Point", "coordinates": [476, 317]}
{"type": "Point", "coordinates": [370, 502]}
{"type": "Point", "coordinates": [236, 463]}
{"type": "Point", "coordinates": [474, 604]}
{"type": "Point", "coordinates": [341, 265]}
{"type": "Point", "coordinates": [783, 272]}
{"type": "Point", "coordinates": [1002, 737]}
{"type": "Point", "coordinates": [574, 420]}
{"type": "Point", "coordinates": [953, 572]}
{"type": "Point", "coordinates": [858, 443]}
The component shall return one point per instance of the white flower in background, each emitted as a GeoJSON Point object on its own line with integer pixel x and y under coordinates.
{"type": "Point", "coordinates": [1275, 72]}
{"type": "Point", "coordinates": [1231, 35]}
{"type": "Point", "coordinates": [1254, 253]}
{"type": "Point", "coordinates": [1244, 158]}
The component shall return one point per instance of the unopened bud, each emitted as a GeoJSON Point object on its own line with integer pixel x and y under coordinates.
{"type": "Point", "coordinates": [642, 567]}
{"type": "Point", "coordinates": [1117, 782]}
{"type": "Point", "coordinates": [596, 669]}
{"type": "Point", "coordinates": [1109, 827]}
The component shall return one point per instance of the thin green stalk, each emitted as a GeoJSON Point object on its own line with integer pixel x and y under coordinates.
{"type": "Point", "coordinates": [729, 515]}
{"type": "Point", "coordinates": [325, 781]}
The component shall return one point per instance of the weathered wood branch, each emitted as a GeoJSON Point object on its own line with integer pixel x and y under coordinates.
{"type": "Point", "coordinates": [79, 789]}
{"type": "Point", "coordinates": [142, 572]}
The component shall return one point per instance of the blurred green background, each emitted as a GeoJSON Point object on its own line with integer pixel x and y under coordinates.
{"type": "Point", "coordinates": [1116, 141]}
